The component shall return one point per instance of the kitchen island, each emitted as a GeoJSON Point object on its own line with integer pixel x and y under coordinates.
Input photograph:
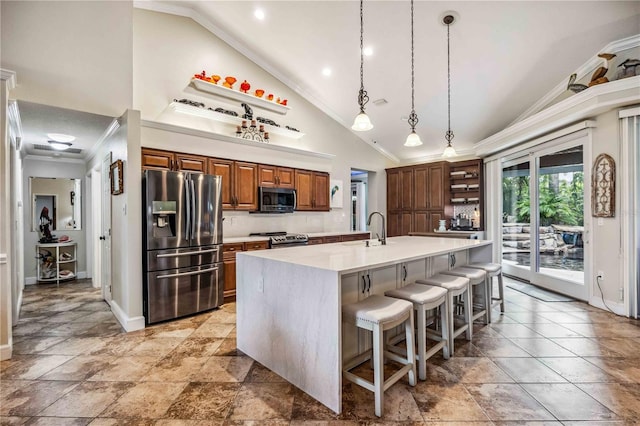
{"type": "Point", "coordinates": [289, 301]}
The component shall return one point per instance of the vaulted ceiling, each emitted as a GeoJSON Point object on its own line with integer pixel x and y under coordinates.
{"type": "Point", "coordinates": [504, 57]}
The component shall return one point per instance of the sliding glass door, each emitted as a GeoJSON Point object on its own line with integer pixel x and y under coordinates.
{"type": "Point", "coordinates": [543, 229]}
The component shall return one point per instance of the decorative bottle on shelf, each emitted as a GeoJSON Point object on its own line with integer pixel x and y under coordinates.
{"type": "Point", "coordinates": [442, 224]}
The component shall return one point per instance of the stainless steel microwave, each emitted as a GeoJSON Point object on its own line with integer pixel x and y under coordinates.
{"type": "Point", "coordinates": [276, 200]}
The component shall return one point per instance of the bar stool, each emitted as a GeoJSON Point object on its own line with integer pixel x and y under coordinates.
{"type": "Point", "coordinates": [455, 286]}
{"type": "Point", "coordinates": [492, 270]}
{"type": "Point", "coordinates": [477, 277]}
{"type": "Point", "coordinates": [379, 314]}
{"type": "Point", "coordinates": [424, 298]}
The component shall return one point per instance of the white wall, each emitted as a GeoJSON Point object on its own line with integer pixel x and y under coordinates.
{"type": "Point", "coordinates": [70, 54]}
{"type": "Point", "coordinates": [126, 222]}
{"type": "Point", "coordinates": [191, 48]}
{"type": "Point", "coordinates": [52, 168]}
{"type": "Point", "coordinates": [606, 238]}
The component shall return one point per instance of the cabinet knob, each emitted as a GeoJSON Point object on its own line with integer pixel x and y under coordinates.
{"type": "Point", "coordinates": [102, 237]}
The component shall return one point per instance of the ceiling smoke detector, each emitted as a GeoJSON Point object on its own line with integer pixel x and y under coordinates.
{"type": "Point", "coordinates": [380, 102]}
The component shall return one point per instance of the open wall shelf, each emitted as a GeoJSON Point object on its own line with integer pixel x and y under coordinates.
{"type": "Point", "coordinates": [237, 95]}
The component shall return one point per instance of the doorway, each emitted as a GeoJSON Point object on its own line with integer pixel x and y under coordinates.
{"type": "Point", "coordinates": [543, 226]}
{"type": "Point", "coordinates": [358, 200]}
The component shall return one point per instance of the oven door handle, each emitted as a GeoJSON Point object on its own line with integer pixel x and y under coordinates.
{"type": "Point", "coordinates": [184, 274]}
{"type": "Point", "coordinates": [187, 253]}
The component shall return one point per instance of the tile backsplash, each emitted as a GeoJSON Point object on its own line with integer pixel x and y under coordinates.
{"type": "Point", "coordinates": [241, 224]}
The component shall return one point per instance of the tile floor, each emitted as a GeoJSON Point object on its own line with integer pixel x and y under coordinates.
{"type": "Point", "coordinates": [538, 364]}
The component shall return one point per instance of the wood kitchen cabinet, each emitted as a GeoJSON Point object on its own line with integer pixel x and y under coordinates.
{"type": "Point", "coordinates": [312, 190]}
{"type": "Point", "coordinates": [239, 183]}
{"type": "Point", "coordinates": [416, 198]}
{"type": "Point", "coordinates": [274, 176]}
{"type": "Point", "coordinates": [229, 252]}
{"type": "Point", "coordinates": [156, 159]}
{"type": "Point", "coordinates": [465, 188]}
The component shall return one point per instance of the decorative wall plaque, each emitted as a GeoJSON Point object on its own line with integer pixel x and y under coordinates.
{"type": "Point", "coordinates": [603, 187]}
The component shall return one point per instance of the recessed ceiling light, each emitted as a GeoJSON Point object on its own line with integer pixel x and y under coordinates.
{"type": "Point", "coordinates": [326, 71]}
{"type": "Point", "coordinates": [368, 51]}
{"type": "Point", "coordinates": [259, 14]}
{"type": "Point", "coordinates": [59, 137]}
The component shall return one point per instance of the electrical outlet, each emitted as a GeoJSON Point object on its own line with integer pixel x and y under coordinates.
{"type": "Point", "coordinates": [621, 294]}
{"type": "Point", "coordinates": [601, 275]}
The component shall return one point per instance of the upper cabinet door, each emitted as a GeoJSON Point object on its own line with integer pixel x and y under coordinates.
{"type": "Point", "coordinates": [421, 187]}
{"type": "Point", "coordinates": [225, 169]}
{"type": "Point", "coordinates": [191, 163]}
{"type": "Point", "coordinates": [393, 190]}
{"type": "Point", "coordinates": [436, 187]}
{"type": "Point", "coordinates": [267, 176]}
{"type": "Point", "coordinates": [155, 159]}
{"type": "Point", "coordinates": [286, 177]}
{"type": "Point", "coordinates": [304, 189]}
{"type": "Point", "coordinates": [406, 200]}
{"type": "Point", "coordinates": [321, 191]}
{"type": "Point", "coordinates": [246, 186]}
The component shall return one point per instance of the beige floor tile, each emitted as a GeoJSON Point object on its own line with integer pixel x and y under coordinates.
{"type": "Point", "coordinates": [583, 346]}
{"type": "Point", "coordinates": [76, 346]}
{"type": "Point", "coordinates": [563, 318]}
{"type": "Point", "coordinates": [263, 401]}
{"type": "Point", "coordinates": [225, 369]}
{"type": "Point", "coordinates": [499, 348]}
{"type": "Point", "coordinates": [567, 402]}
{"type": "Point", "coordinates": [515, 330]}
{"type": "Point", "coordinates": [33, 398]}
{"type": "Point", "coordinates": [577, 370]}
{"type": "Point", "coordinates": [9, 386]}
{"type": "Point", "coordinates": [542, 348]}
{"type": "Point", "coordinates": [159, 346]}
{"type": "Point", "coordinates": [79, 368]}
{"type": "Point", "coordinates": [64, 317]}
{"type": "Point", "coordinates": [13, 420]}
{"type": "Point", "coordinates": [508, 402]}
{"type": "Point", "coordinates": [197, 347]}
{"type": "Point", "coordinates": [476, 370]}
{"type": "Point", "coordinates": [176, 369]}
{"type": "Point", "coordinates": [527, 317]}
{"type": "Point", "coordinates": [447, 403]}
{"type": "Point", "coordinates": [126, 368]}
{"type": "Point", "coordinates": [623, 369]}
{"type": "Point", "coordinates": [34, 345]}
{"type": "Point", "coordinates": [28, 367]}
{"type": "Point", "coordinates": [88, 399]}
{"type": "Point", "coordinates": [626, 347]}
{"type": "Point", "coordinates": [209, 329]}
{"type": "Point", "coordinates": [528, 370]}
{"type": "Point", "coordinates": [182, 422]}
{"type": "Point", "coordinates": [121, 422]}
{"type": "Point", "coordinates": [204, 401]}
{"type": "Point", "coordinates": [621, 398]}
{"type": "Point", "coordinates": [229, 347]}
{"type": "Point", "coordinates": [553, 330]}
{"type": "Point", "coordinates": [145, 400]}
{"type": "Point", "coordinates": [261, 374]}
{"type": "Point", "coordinates": [59, 421]}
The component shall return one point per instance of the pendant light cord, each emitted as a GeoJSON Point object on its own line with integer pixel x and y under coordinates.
{"type": "Point", "coordinates": [363, 98]}
{"type": "Point", "coordinates": [449, 135]}
{"type": "Point", "coordinates": [413, 117]}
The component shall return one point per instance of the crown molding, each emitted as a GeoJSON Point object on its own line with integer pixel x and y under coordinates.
{"type": "Point", "coordinates": [15, 122]}
{"type": "Point", "coordinates": [54, 159]}
{"type": "Point", "coordinates": [586, 69]}
{"type": "Point", "coordinates": [9, 77]}
{"type": "Point", "coordinates": [258, 59]}
{"type": "Point", "coordinates": [583, 105]}
{"type": "Point", "coordinates": [95, 148]}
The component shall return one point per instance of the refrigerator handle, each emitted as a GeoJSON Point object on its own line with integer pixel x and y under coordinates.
{"type": "Point", "coordinates": [295, 200]}
{"type": "Point", "coordinates": [186, 274]}
{"type": "Point", "coordinates": [187, 192]}
{"type": "Point", "coordinates": [193, 208]}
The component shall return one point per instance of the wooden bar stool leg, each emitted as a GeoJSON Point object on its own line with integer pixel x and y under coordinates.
{"type": "Point", "coordinates": [450, 322]}
{"type": "Point", "coordinates": [378, 369]}
{"type": "Point", "coordinates": [422, 340]}
{"type": "Point", "coordinates": [501, 292]}
{"type": "Point", "coordinates": [444, 313]}
{"type": "Point", "coordinates": [468, 311]}
{"type": "Point", "coordinates": [409, 327]}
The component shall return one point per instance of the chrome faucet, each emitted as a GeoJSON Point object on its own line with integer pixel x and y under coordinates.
{"type": "Point", "coordinates": [382, 240]}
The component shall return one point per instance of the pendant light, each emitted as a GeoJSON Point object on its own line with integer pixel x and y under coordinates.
{"type": "Point", "coordinates": [413, 139]}
{"type": "Point", "coordinates": [449, 151]}
{"type": "Point", "coordinates": [362, 122]}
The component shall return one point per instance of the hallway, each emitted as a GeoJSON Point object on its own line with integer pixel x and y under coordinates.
{"type": "Point", "coordinates": [556, 363]}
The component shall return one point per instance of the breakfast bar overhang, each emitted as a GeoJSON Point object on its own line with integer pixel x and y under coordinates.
{"type": "Point", "coordinates": [289, 301]}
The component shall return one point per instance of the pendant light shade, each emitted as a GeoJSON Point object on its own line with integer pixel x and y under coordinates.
{"type": "Point", "coordinates": [413, 139]}
{"type": "Point", "coordinates": [449, 151]}
{"type": "Point", "coordinates": [362, 122]}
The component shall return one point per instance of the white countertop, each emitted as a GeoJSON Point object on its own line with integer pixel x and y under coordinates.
{"type": "Point", "coordinates": [229, 240]}
{"type": "Point", "coordinates": [354, 256]}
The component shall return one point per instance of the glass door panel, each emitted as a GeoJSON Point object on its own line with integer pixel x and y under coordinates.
{"type": "Point", "coordinates": [516, 218]}
{"type": "Point", "coordinates": [560, 214]}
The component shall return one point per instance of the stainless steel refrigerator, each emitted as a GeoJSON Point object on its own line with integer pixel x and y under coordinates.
{"type": "Point", "coordinates": [182, 244]}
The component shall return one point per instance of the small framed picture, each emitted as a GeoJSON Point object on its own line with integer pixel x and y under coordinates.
{"type": "Point", "coordinates": [115, 172]}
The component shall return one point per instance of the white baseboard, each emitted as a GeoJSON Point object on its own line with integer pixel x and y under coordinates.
{"type": "Point", "coordinates": [129, 324]}
{"type": "Point", "coordinates": [617, 308]}
{"type": "Point", "coordinates": [5, 352]}
{"type": "Point", "coordinates": [33, 280]}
